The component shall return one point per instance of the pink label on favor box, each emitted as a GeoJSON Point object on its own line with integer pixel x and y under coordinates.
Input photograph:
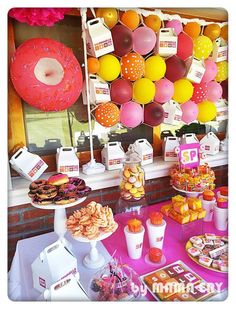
{"type": "Point", "coordinates": [189, 155]}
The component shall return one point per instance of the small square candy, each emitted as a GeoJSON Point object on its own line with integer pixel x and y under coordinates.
{"type": "Point", "coordinates": [218, 242]}
{"type": "Point", "coordinates": [208, 242]}
{"type": "Point", "coordinates": [210, 236]}
{"type": "Point", "coordinates": [199, 246]}
{"type": "Point", "coordinates": [223, 265]}
{"type": "Point", "coordinates": [196, 240]}
{"type": "Point", "coordinates": [205, 260]}
{"type": "Point", "coordinates": [194, 251]}
{"type": "Point", "coordinates": [215, 264]}
{"type": "Point", "coordinates": [224, 238]}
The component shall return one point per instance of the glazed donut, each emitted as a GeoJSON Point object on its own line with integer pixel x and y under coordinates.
{"type": "Point", "coordinates": [67, 188]}
{"type": "Point", "coordinates": [58, 179]}
{"type": "Point", "coordinates": [46, 192]}
{"type": "Point", "coordinates": [84, 192]}
{"type": "Point", "coordinates": [78, 182]}
{"type": "Point", "coordinates": [64, 199]}
{"type": "Point", "coordinates": [36, 184]}
{"type": "Point", "coordinates": [39, 201]}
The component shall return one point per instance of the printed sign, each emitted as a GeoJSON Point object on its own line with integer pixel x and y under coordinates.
{"type": "Point", "coordinates": [189, 155]}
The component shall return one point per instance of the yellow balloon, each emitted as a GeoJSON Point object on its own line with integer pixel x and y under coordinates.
{"type": "Point", "coordinates": [222, 71]}
{"type": "Point", "coordinates": [143, 90]}
{"type": "Point", "coordinates": [155, 68]}
{"type": "Point", "coordinates": [110, 16]}
{"type": "Point", "coordinates": [206, 111]}
{"type": "Point", "coordinates": [183, 90]}
{"type": "Point", "coordinates": [109, 68]}
{"type": "Point", "coordinates": [202, 47]}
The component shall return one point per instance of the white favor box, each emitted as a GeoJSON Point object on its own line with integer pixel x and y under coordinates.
{"type": "Point", "coordinates": [221, 110]}
{"type": "Point", "coordinates": [98, 38]}
{"type": "Point", "coordinates": [67, 289]}
{"type": "Point", "coordinates": [210, 144]}
{"type": "Point", "coordinates": [170, 144]}
{"type": "Point", "coordinates": [145, 150]}
{"type": "Point", "coordinates": [67, 161]}
{"type": "Point", "coordinates": [172, 112]}
{"type": "Point", "coordinates": [167, 41]}
{"type": "Point", "coordinates": [195, 69]}
{"type": "Point", "coordinates": [98, 89]}
{"type": "Point", "coordinates": [220, 50]}
{"type": "Point", "coordinates": [27, 164]}
{"type": "Point", "coordinates": [113, 156]}
{"type": "Point", "coordinates": [54, 263]}
{"type": "Point", "coordinates": [189, 138]}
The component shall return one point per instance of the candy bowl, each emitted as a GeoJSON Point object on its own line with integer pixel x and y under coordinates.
{"type": "Point", "coordinates": [115, 282]}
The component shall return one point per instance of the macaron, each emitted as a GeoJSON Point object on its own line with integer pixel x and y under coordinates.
{"type": "Point", "coordinates": [137, 184]}
{"type": "Point", "coordinates": [132, 179]}
{"type": "Point", "coordinates": [128, 186]}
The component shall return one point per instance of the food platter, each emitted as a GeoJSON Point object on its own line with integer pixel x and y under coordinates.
{"type": "Point", "coordinates": [55, 206]}
{"type": "Point", "coordinates": [188, 193]}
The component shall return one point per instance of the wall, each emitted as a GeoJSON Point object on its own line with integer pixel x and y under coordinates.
{"type": "Point", "coordinates": [26, 221]}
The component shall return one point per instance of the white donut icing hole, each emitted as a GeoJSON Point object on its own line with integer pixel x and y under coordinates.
{"type": "Point", "coordinates": [49, 71]}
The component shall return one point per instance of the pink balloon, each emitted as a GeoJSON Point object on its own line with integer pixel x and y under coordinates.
{"type": "Point", "coordinates": [131, 114]}
{"type": "Point", "coordinates": [190, 111]}
{"type": "Point", "coordinates": [211, 71]}
{"type": "Point", "coordinates": [144, 40]}
{"type": "Point", "coordinates": [214, 91]}
{"type": "Point", "coordinates": [199, 92]}
{"type": "Point", "coordinates": [164, 90]}
{"type": "Point", "coordinates": [176, 24]}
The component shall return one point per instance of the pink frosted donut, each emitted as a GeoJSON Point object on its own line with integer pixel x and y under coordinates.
{"type": "Point", "coordinates": [58, 179]}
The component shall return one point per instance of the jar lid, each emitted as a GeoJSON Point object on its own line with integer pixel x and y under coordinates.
{"type": "Point", "coordinates": [131, 156]}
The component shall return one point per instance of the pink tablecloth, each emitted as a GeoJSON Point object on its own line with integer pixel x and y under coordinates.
{"type": "Point", "coordinates": [173, 249]}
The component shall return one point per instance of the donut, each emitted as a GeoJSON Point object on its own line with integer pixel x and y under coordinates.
{"type": "Point", "coordinates": [39, 201]}
{"type": "Point", "coordinates": [46, 192]}
{"type": "Point", "coordinates": [36, 184]}
{"type": "Point", "coordinates": [83, 192]}
{"type": "Point", "coordinates": [67, 188]}
{"type": "Point", "coordinates": [78, 182]}
{"type": "Point", "coordinates": [58, 179]}
{"type": "Point", "coordinates": [65, 199]}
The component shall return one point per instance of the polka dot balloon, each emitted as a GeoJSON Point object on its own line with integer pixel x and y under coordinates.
{"type": "Point", "coordinates": [107, 114]}
{"type": "Point", "coordinates": [199, 92]}
{"type": "Point", "coordinates": [222, 71]}
{"type": "Point", "coordinates": [132, 66]}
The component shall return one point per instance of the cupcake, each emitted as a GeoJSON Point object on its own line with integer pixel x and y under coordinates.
{"type": "Point", "coordinates": [208, 195]}
{"type": "Point", "coordinates": [224, 191]}
{"type": "Point", "coordinates": [134, 225]}
{"type": "Point", "coordinates": [155, 255]}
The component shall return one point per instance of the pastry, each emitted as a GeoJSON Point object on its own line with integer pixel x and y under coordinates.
{"type": "Point", "coordinates": [46, 192]}
{"type": "Point", "coordinates": [180, 207]}
{"type": "Point", "coordinates": [156, 218]}
{"type": "Point", "coordinates": [134, 225]}
{"type": "Point", "coordinates": [155, 255]}
{"type": "Point", "coordinates": [194, 203]}
{"type": "Point", "coordinates": [58, 179]}
{"type": "Point", "coordinates": [208, 195]}
{"type": "Point", "coordinates": [165, 209]}
{"type": "Point", "coordinates": [201, 213]}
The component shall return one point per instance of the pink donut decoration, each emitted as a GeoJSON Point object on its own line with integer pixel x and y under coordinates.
{"type": "Point", "coordinates": [46, 74]}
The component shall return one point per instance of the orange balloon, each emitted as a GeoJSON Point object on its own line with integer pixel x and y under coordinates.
{"type": "Point", "coordinates": [224, 32]}
{"type": "Point", "coordinates": [212, 31]}
{"type": "Point", "coordinates": [107, 114]}
{"type": "Point", "coordinates": [132, 66]}
{"type": "Point", "coordinates": [93, 65]}
{"type": "Point", "coordinates": [193, 29]}
{"type": "Point", "coordinates": [110, 16]}
{"type": "Point", "coordinates": [153, 22]}
{"type": "Point", "coordinates": [130, 19]}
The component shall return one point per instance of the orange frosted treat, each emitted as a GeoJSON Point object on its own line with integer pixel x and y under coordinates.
{"type": "Point", "coordinates": [173, 214]}
{"type": "Point", "coordinates": [182, 219]}
{"type": "Point", "coordinates": [201, 213]}
{"type": "Point", "coordinates": [180, 207]}
{"type": "Point", "coordinates": [165, 209]}
{"type": "Point", "coordinates": [208, 195]}
{"type": "Point", "coordinates": [134, 225]}
{"type": "Point", "coordinates": [178, 198]}
{"type": "Point", "coordinates": [156, 218]}
{"type": "Point", "coordinates": [193, 215]}
{"type": "Point", "coordinates": [224, 191]}
{"type": "Point", "coordinates": [194, 203]}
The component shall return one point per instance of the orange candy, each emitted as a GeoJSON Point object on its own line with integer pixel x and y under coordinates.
{"type": "Point", "coordinates": [193, 29]}
{"type": "Point", "coordinates": [130, 19]}
{"type": "Point", "coordinates": [134, 225]}
{"type": "Point", "coordinates": [107, 114]}
{"type": "Point", "coordinates": [93, 65]}
{"type": "Point", "coordinates": [153, 22]}
{"type": "Point", "coordinates": [224, 32]}
{"type": "Point", "coordinates": [212, 31]}
{"type": "Point", "coordinates": [132, 66]}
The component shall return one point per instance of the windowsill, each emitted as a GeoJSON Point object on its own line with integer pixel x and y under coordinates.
{"type": "Point", "coordinates": [18, 195]}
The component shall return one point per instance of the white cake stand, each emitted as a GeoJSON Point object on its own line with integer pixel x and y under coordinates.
{"type": "Point", "coordinates": [59, 216]}
{"type": "Point", "coordinates": [93, 259]}
{"type": "Point", "coordinates": [188, 193]}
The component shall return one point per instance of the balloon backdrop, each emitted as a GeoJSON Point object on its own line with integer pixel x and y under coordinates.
{"type": "Point", "coordinates": [214, 91]}
{"type": "Point", "coordinates": [122, 40]}
{"type": "Point", "coordinates": [93, 65]}
{"type": "Point", "coordinates": [200, 92]}
{"type": "Point", "coordinates": [144, 40]}
{"type": "Point", "coordinates": [109, 67]}
{"type": "Point", "coordinates": [164, 90]}
{"type": "Point", "coordinates": [132, 66]}
{"type": "Point", "coordinates": [176, 25]}
{"type": "Point", "coordinates": [153, 114]}
{"type": "Point", "coordinates": [202, 47]}
{"type": "Point", "coordinates": [107, 114]}
{"type": "Point", "coordinates": [175, 68]}
{"type": "Point", "coordinates": [222, 71]}
{"type": "Point", "coordinates": [153, 22]}
{"type": "Point", "coordinates": [190, 111]}
{"type": "Point", "coordinates": [193, 29]}
{"type": "Point", "coordinates": [224, 86]}
{"type": "Point", "coordinates": [210, 72]}
{"type": "Point", "coordinates": [110, 16]}
{"type": "Point", "coordinates": [155, 68]}
{"type": "Point", "coordinates": [143, 90]}
{"type": "Point", "coordinates": [131, 114]}
{"type": "Point", "coordinates": [121, 91]}
{"type": "Point", "coordinates": [212, 31]}
{"type": "Point", "coordinates": [224, 32]}
{"type": "Point", "coordinates": [130, 19]}
{"type": "Point", "coordinates": [206, 111]}
{"type": "Point", "coordinates": [183, 90]}
{"type": "Point", "coordinates": [185, 46]}
{"type": "Point", "coordinates": [46, 74]}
